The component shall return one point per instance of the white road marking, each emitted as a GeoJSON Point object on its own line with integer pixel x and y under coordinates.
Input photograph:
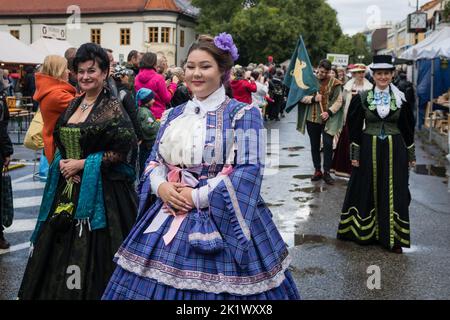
{"type": "Point", "coordinates": [27, 202]}
{"type": "Point", "coordinates": [23, 186]}
{"type": "Point", "coordinates": [18, 247]}
{"type": "Point", "coordinates": [28, 176]}
{"type": "Point", "coordinates": [20, 225]}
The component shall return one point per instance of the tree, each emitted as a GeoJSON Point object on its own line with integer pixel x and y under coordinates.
{"type": "Point", "coordinates": [272, 27]}
{"type": "Point", "coordinates": [215, 16]}
{"type": "Point", "coordinates": [446, 12]}
{"type": "Point", "coordinates": [355, 47]}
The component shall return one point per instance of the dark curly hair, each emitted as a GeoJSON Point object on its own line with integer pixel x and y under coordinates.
{"type": "Point", "coordinates": [326, 64]}
{"type": "Point", "coordinates": [91, 52]}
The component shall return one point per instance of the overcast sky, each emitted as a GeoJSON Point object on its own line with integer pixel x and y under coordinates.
{"type": "Point", "coordinates": [356, 15]}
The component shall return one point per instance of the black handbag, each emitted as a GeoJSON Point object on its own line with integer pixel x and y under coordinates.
{"type": "Point", "coordinates": [7, 207]}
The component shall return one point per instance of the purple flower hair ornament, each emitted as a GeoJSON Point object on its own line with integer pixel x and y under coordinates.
{"type": "Point", "coordinates": [224, 41]}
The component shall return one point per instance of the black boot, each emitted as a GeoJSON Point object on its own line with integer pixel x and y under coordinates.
{"type": "Point", "coordinates": [3, 243]}
{"type": "Point", "coordinates": [317, 176]}
{"type": "Point", "coordinates": [328, 179]}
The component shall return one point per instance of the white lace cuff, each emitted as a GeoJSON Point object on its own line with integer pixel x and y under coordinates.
{"type": "Point", "coordinates": [157, 177]}
{"type": "Point", "coordinates": [200, 195]}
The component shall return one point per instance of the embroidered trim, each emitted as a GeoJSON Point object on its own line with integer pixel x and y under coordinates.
{"type": "Point", "coordinates": [374, 180]}
{"type": "Point", "coordinates": [354, 151]}
{"type": "Point", "coordinates": [411, 152]}
{"type": "Point", "coordinates": [391, 192]}
{"type": "Point", "coordinates": [204, 237]}
{"type": "Point", "coordinates": [206, 282]}
{"type": "Point", "coordinates": [240, 114]}
{"type": "Point", "coordinates": [236, 207]}
{"type": "Point", "coordinates": [218, 152]}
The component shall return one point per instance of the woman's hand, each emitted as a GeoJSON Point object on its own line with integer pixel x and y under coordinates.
{"type": "Point", "coordinates": [70, 167]}
{"type": "Point", "coordinates": [187, 193]}
{"type": "Point", "coordinates": [355, 163]}
{"type": "Point", "coordinates": [168, 193]}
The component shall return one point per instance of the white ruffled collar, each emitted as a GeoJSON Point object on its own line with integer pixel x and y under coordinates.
{"type": "Point", "coordinates": [212, 103]}
{"type": "Point", "coordinates": [399, 96]}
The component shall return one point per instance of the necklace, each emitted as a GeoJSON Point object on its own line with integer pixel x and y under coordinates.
{"type": "Point", "coordinates": [86, 106]}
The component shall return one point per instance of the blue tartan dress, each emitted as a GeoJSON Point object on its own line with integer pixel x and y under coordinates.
{"type": "Point", "coordinates": [230, 250]}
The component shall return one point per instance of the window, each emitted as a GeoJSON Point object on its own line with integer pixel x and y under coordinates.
{"type": "Point", "coordinates": [124, 37]}
{"type": "Point", "coordinates": [182, 38]}
{"type": "Point", "coordinates": [165, 35]}
{"type": "Point", "coordinates": [153, 34]}
{"type": "Point", "coordinates": [96, 36]}
{"type": "Point", "coordinates": [174, 36]}
{"type": "Point", "coordinates": [15, 34]}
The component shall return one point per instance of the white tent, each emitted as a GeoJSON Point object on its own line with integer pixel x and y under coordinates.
{"type": "Point", "coordinates": [15, 51]}
{"type": "Point", "coordinates": [436, 45]}
{"type": "Point", "coordinates": [51, 46]}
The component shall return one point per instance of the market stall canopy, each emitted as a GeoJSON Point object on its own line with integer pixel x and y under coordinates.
{"type": "Point", "coordinates": [15, 51]}
{"type": "Point", "coordinates": [51, 46]}
{"type": "Point", "coordinates": [435, 46]}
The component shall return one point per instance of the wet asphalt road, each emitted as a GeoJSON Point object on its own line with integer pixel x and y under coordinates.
{"type": "Point", "coordinates": [307, 215]}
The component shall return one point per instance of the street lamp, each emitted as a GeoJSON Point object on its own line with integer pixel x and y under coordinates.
{"type": "Point", "coordinates": [361, 57]}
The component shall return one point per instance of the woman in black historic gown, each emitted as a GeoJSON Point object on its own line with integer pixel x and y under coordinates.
{"type": "Point", "coordinates": [89, 203]}
{"type": "Point", "coordinates": [381, 129]}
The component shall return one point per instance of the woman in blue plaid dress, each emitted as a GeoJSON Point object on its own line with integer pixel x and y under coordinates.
{"type": "Point", "coordinates": [208, 235]}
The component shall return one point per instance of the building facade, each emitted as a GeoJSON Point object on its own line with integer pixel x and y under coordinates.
{"type": "Point", "coordinates": [398, 38]}
{"type": "Point", "coordinates": [161, 26]}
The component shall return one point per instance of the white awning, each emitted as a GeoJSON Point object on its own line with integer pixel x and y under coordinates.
{"type": "Point", "coordinates": [51, 46]}
{"type": "Point", "coordinates": [15, 51]}
{"type": "Point", "coordinates": [435, 46]}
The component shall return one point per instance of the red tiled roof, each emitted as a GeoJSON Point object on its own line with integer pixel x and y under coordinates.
{"type": "Point", "coordinates": [161, 5]}
{"type": "Point", "coordinates": [37, 7]}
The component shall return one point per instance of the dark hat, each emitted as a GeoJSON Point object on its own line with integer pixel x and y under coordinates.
{"type": "Point", "coordinates": [382, 62]}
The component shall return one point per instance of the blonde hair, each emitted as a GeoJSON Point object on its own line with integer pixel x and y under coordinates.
{"type": "Point", "coordinates": [54, 66]}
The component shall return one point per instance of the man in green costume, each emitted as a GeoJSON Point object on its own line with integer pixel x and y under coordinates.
{"type": "Point", "coordinates": [322, 115]}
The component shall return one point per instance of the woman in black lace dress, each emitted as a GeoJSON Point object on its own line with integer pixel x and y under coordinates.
{"type": "Point", "coordinates": [89, 202]}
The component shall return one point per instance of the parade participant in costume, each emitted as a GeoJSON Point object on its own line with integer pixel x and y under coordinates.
{"type": "Point", "coordinates": [342, 165]}
{"type": "Point", "coordinates": [89, 202]}
{"type": "Point", "coordinates": [219, 240]}
{"type": "Point", "coordinates": [322, 115]}
{"type": "Point", "coordinates": [341, 76]}
{"type": "Point", "coordinates": [381, 128]}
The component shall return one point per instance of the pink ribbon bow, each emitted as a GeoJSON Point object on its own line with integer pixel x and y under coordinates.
{"type": "Point", "coordinates": [184, 176]}
{"type": "Point", "coordinates": [177, 174]}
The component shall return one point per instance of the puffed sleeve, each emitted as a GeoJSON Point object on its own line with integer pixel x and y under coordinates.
{"type": "Point", "coordinates": [406, 125]}
{"type": "Point", "coordinates": [355, 120]}
{"type": "Point", "coordinates": [233, 203]}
